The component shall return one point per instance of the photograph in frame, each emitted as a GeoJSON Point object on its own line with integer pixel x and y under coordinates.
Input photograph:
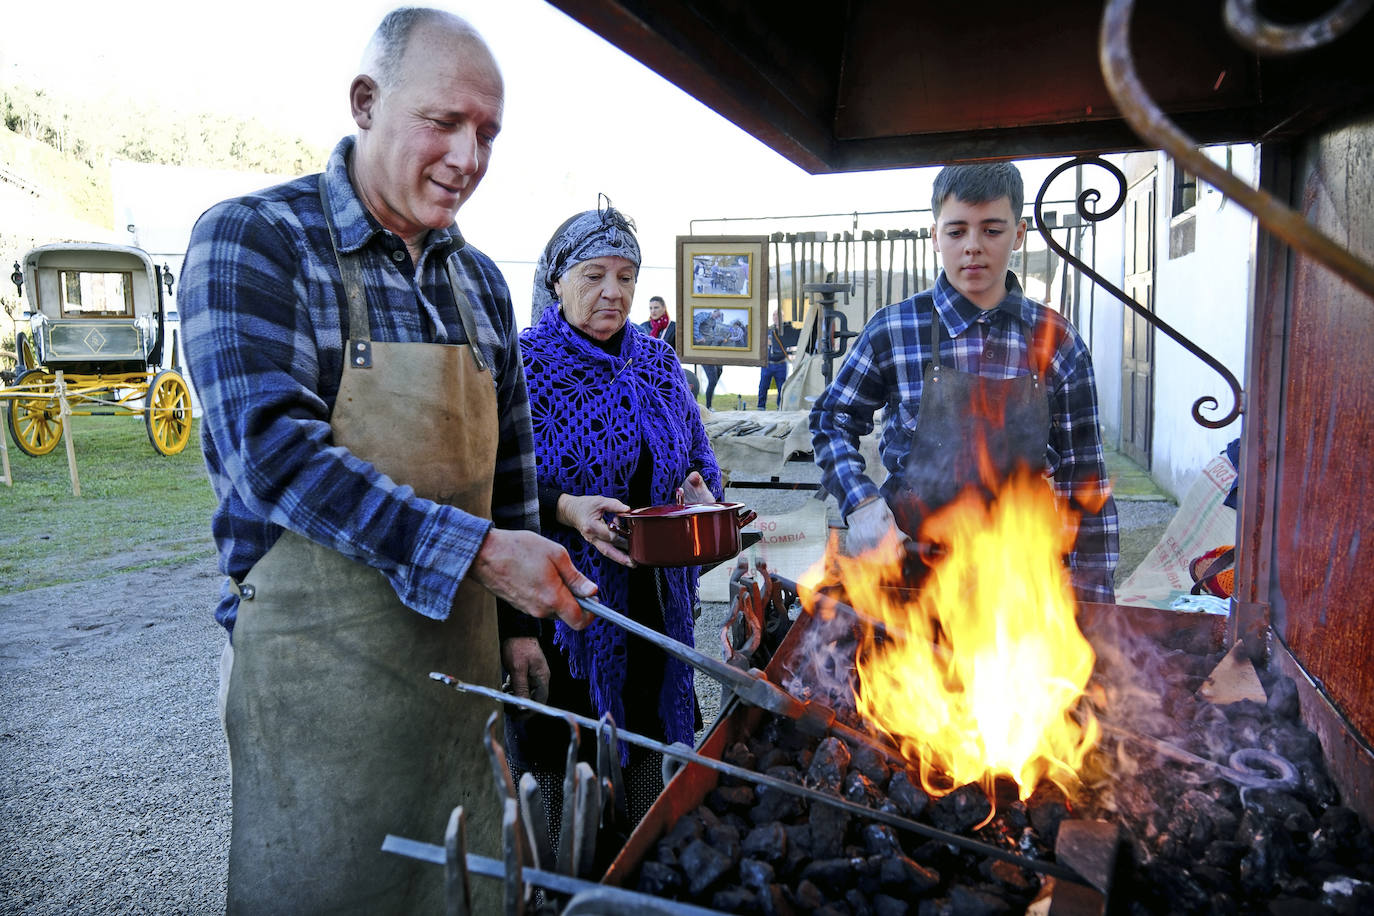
{"type": "Point", "coordinates": [722, 328]}
{"type": "Point", "coordinates": [727, 275]}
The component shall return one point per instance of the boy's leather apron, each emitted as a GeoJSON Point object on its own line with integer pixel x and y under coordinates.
{"type": "Point", "coordinates": [337, 735]}
{"type": "Point", "coordinates": [969, 430]}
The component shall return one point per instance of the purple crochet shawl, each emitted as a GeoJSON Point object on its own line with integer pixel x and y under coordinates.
{"type": "Point", "coordinates": [589, 411]}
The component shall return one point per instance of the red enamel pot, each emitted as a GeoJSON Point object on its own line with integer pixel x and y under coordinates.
{"type": "Point", "coordinates": [691, 535]}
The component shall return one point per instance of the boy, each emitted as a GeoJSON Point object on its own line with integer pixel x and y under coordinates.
{"type": "Point", "coordinates": [1012, 374]}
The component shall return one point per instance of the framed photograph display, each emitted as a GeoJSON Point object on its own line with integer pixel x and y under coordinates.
{"type": "Point", "coordinates": [722, 295]}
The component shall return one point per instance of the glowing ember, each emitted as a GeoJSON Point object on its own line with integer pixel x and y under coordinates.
{"type": "Point", "coordinates": [980, 671]}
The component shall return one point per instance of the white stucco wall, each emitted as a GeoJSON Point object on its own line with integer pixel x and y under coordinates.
{"type": "Point", "coordinates": [1205, 295]}
{"type": "Point", "coordinates": [1100, 314]}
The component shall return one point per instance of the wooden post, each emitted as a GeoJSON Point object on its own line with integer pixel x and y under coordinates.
{"type": "Point", "coordinates": [66, 414]}
{"type": "Point", "coordinates": [5, 477]}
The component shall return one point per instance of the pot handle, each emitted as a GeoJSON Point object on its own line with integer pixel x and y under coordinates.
{"type": "Point", "coordinates": [746, 516]}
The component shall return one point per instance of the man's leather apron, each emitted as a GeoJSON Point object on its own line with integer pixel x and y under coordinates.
{"type": "Point", "coordinates": [337, 735]}
{"type": "Point", "coordinates": [970, 430]}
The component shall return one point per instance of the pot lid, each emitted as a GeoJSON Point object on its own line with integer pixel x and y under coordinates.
{"type": "Point", "coordinates": [676, 511]}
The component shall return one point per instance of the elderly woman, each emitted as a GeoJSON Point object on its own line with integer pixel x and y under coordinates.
{"type": "Point", "coordinates": [614, 427]}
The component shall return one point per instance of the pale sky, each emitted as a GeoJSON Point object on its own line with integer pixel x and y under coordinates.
{"type": "Point", "coordinates": [581, 117]}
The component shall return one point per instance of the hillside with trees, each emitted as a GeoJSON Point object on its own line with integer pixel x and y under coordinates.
{"type": "Point", "coordinates": [55, 155]}
{"type": "Point", "coordinates": [87, 133]}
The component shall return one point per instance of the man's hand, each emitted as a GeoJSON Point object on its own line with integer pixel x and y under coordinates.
{"type": "Point", "coordinates": [585, 514]}
{"type": "Point", "coordinates": [871, 525]}
{"type": "Point", "coordinates": [528, 669]}
{"type": "Point", "coordinates": [532, 574]}
{"type": "Point", "coordinates": [694, 491]}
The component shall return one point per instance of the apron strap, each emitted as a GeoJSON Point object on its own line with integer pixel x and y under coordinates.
{"type": "Point", "coordinates": [935, 338]}
{"type": "Point", "coordinates": [359, 327]}
{"type": "Point", "coordinates": [460, 299]}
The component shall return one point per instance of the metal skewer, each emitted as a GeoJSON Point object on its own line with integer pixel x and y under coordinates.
{"type": "Point", "coordinates": [550, 880]}
{"type": "Point", "coordinates": [1250, 768]}
{"type": "Point", "coordinates": [687, 755]}
{"type": "Point", "coordinates": [754, 689]}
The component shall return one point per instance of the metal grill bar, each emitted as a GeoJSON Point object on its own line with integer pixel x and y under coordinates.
{"type": "Point", "coordinates": [679, 752]}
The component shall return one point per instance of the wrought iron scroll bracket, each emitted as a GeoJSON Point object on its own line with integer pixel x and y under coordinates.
{"type": "Point", "coordinates": [1249, 27]}
{"type": "Point", "coordinates": [1147, 120]}
{"type": "Point", "coordinates": [1086, 206]}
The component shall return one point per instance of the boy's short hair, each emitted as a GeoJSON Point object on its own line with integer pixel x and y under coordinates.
{"type": "Point", "coordinates": [979, 184]}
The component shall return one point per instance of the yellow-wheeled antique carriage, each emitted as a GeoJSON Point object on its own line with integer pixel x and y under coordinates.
{"type": "Point", "coordinates": [96, 315]}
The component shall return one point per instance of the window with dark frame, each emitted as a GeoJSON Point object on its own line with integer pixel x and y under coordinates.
{"type": "Point", "coordinates": [1185, 192]}
{"type": "Point", "coordinates": [1183, 213]}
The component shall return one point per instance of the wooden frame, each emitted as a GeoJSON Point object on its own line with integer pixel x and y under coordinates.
{"type": "Point", "coordinates": [722, 283]}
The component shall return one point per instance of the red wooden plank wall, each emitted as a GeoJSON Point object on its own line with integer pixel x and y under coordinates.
{"type": "Point", "coordinates": [1322, 561]}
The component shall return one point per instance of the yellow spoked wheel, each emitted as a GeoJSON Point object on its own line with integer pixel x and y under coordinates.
{"type": "Point", "coordinates": [168, 412]}
{"type": "Point", "coordinates": [34, 417]}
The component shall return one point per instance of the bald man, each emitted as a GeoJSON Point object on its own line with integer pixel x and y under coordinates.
{"type": "Point", "coordinates": [366, 430]}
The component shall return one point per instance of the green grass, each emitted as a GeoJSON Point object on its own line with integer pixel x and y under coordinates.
{"type": "Point", "coordinates": [137, 509]}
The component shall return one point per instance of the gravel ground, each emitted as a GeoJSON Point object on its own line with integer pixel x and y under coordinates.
{"type": "Point", "coordinates": [114, 785]}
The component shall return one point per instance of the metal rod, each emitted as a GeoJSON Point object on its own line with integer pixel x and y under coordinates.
{"type": "Point", "coordinates": [777, 269]}
{"type": "Point", "coordinates": [685, 754]}
{"type": "Point", "coordinates": [878, 236]}
{"type": "Point", "coordinates": [848, 254]}
{"type": "Point", "coordinates": [1243, 772]}
{"type": "Point", "coordinates": [864, 240]}
{"type": "Point", "coordinates": [891, 263]}
{"type": "Point", "coordinates": [552, 880]}
{"type": "Point", "coordinates": [792, 245]}
{"type": "Point", "coordinates": [1093, 196]}
{"type": "Point", "coordinates": [756, 690]}
{"type": "Point", "coordinates": [769, 485]}
{"type": "Point", "coordinates": [1153, 126]}
{"type": "Point", "coordinates": [1264, 36]}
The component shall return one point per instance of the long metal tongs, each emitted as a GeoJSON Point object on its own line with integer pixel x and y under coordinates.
{"type": "Point", "coordinates": [754, 689]}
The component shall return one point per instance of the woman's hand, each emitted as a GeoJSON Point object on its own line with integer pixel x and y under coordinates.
{"type": "Point", "coordinates": [586, 514]}
{"type": "Point", "coordinates": [527, 669]}
{"type": "Point", "coordinates": [694, 491]}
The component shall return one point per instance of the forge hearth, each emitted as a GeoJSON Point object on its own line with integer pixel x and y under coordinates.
{"type": "Point", "coordinates": [1191, 842]}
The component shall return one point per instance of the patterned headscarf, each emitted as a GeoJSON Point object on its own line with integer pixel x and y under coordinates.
{"type": "Point", "coordinates": [598, 233]}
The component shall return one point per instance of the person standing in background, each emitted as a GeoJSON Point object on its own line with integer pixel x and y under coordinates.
{"type": "Point", "coordinates": [712, 376]}
{"type": "Point", "coordinates": [776, 370]}
{"type": "Point", "coordinates": [660, 324]}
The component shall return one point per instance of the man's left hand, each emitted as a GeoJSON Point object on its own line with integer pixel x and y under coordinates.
{"type": "Point", "coordinates": [528, 669]}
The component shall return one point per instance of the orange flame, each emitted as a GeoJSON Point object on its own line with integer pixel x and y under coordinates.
{"type": "Point", "coordinates": [979, 673]}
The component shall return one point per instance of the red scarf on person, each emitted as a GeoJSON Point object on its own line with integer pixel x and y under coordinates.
{"type": "Point", "coordinates": [658, 325]}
